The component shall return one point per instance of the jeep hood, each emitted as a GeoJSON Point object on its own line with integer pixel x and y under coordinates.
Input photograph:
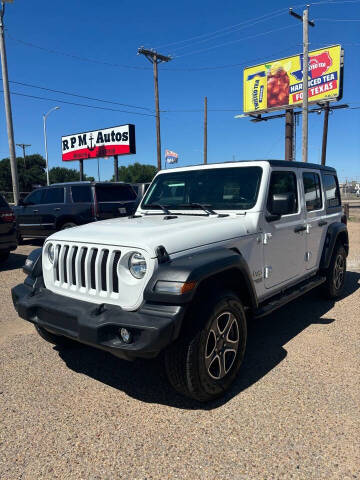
{"type": "Point", "coordinates": [148, 232]}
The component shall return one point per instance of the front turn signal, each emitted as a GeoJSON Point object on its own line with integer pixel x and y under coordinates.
{"type": "Point", "coordinates": [174, 288]}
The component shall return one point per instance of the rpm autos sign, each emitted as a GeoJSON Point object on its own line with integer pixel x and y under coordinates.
{"type": "Point", "coordinates": [99, 143]}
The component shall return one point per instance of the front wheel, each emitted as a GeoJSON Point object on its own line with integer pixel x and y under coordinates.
{"type": "Point", "coordinates": [335, 275]}
{"type": "Point", "coordinates": [204, 361]}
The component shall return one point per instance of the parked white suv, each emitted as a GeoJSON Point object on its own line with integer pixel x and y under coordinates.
{"type": "Point", "coordinates": [209, 248]}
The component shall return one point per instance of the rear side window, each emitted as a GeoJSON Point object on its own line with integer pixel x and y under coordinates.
{"type": "Point", "coordinates": [114, 193]}
{"type": "Point", "coordinates": [332, 193]}
{"type": "Point", "coordinates": [81, 194]}
{"type": "Point", "coordinates": [283, 183]}
{"type": "Point", "coordinates": [312, 188]}
{"type": "Point", "coordinates": [53, 195]}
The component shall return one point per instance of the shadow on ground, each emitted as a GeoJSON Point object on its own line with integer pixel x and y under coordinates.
{"type": "Point", "coordinates": [16, 259]}
{"type": "Point", "coordinates": [146, 380]}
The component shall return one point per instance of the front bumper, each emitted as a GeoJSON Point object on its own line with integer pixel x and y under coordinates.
{"type": "Point", "coordinates": [153, 326]}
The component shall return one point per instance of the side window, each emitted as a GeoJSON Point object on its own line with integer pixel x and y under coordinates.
{"type": "Point", "coordinates": [312, 188]}
{"type": "Point", "coordinates": [34, 198]}
{"type": "Point", "coordinates": [81, 194]}
{"type": "Point", "coordinates": [332, 193]}
{"type": "Point", "coordinates": [53, 195]}
{"type": "Point", "coordinates": [283, 187]}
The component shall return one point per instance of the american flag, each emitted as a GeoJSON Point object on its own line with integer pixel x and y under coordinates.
{"type": "Point", "coordinates": [171, 157]}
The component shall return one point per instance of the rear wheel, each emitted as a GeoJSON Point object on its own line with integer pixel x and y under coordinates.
{"type": "Point", "coordinates": [204, 361]}
{"type": "Point", "coordinates": [54, 339]}
{"type": "Point", "coordinates": [335, 275]}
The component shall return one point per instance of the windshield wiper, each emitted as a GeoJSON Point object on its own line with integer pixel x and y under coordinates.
{"type": "Point", "coordinates": [160, 207]}
{"type": "Point", "coordinates": [206, 208]}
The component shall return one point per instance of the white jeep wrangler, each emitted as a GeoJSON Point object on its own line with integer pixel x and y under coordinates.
{"type": "Point", "coordinates": [209, 248]}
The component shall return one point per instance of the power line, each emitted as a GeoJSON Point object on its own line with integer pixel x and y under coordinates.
{"type": "Point", "coordinates": [81, 104]}
{"type": "Point", "coordinates": [213, 36]}
{"type": "Point", "coordinates": [79, 96]}
{"type": "Point", "coordinates": [235, 41]}
{"type": "Point", "coordinates": [76, 57]}
{"type": "Point", "coordinates": [337, 20]}
{"type": "Point", "coordinates": [223, 29]}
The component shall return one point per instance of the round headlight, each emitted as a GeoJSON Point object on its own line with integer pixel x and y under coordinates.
{"type": "Point", "coordinates": [137, 265]}
{"type": "Point", "coordinates": [51, 253]}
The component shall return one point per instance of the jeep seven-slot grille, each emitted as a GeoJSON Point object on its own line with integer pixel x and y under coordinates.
{"type": "Point", "coordinates": [87, 267]}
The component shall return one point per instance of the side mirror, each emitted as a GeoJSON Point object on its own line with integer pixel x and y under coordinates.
{"type": "Point", "coordinates": [21, 202]}
{"type": "Point", "coordinates": [281, 204]}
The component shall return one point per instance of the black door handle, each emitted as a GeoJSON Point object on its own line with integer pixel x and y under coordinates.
{"type": "Point", "coordinates": [35, 211]}
{"type": "Point", "coordinates": [57, 209]}
{"type": "Point", "coordinates": [322, 223]}
{"type": "Point", "coordinates": [299, 228]}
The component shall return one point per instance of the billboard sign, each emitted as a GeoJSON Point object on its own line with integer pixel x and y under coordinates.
{"type": "Point", "coordinates": [99, 143]}
{"type": "Point", "coordinates": [278, 84]}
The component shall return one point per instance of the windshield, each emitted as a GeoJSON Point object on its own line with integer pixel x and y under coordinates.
{"type": "Point", "coordinates": [232, 188]}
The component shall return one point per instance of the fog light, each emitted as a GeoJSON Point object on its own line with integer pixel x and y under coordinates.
{"type": "Point", "coordinates": [126, 336]}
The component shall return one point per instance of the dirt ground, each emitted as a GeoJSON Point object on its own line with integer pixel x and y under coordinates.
{"type": "Point", "coordinates": [293, 412]}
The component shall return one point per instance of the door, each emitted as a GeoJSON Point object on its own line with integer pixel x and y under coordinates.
{"type": "Point", "coordinates": [51, 207]}
{"type": "Point", "coordinates": [284, 237]}
{"type": "Point", "coordinates": [314, 217]}
{"type": "Point", "coordinates": [27, 215]}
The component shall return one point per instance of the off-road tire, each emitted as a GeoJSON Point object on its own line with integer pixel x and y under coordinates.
{"type": "Point", "coordinates": [335, 274]}
{"type": "Point", "coordinates": [54, 339]}
{"type": "Point", "coordinates": [185, 360]}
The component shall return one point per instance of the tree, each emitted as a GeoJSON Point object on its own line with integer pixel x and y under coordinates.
{"type": "Point", "coordinates": [33, 173]}
{"type": "Point", "coordinates": [30, 174]}
{"type": "Point", "coordinates": [61, 174]}
{"type": "Point", "coordinates": [136, 173]}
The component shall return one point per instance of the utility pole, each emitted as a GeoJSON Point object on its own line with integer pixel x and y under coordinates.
{"type": "Point", "coordinates": [325, 133]}
{"type": "Point", "coordinates": [9, 122]}
{"type": "Point", "coordinates": [81, 165]}
{"type": "Point", "coordinates": [205, 130]}
{"type": "Point", "coordinates": [116, 167]}
{"type": "Point", "coordinates": [23, 146]}
{"type": "Point", "coordinates": [306, 22]}
{"type": "Point", "coordinates": [155, 58]}
{"type": "Point", "coordinates": [289, 134]}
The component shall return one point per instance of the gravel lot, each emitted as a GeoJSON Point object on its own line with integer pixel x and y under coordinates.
{"type": "Point", "coordinates": [83, 414]}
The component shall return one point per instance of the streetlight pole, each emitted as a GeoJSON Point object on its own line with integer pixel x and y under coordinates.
{"type": "Point", "coordinates": [9, 122]}
{"type": "Point", "coordinates": [45, 140]}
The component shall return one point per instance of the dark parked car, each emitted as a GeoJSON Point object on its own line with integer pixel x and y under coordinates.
{"type": "Point", "coordinates": [7, 230]}
{"type": "Point", "coordinates": [65, 205]}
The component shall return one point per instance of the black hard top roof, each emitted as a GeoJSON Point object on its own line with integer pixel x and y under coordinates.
{"type": "Point", "coordinates": [274, 163]}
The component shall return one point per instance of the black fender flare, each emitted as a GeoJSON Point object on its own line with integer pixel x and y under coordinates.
{"type": "Point", "coordinates": [198, 267]}
{"type": "Point", "coordinates": [334, 232]}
